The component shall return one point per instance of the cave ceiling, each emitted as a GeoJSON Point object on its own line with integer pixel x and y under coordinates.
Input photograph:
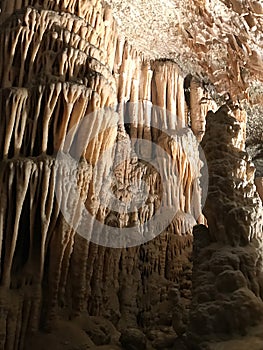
{"type": "Point", "coordinates": [219, 41]}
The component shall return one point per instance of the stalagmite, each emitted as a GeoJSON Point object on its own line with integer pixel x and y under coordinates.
{"type": "Point", "coordinates": [227, 271]}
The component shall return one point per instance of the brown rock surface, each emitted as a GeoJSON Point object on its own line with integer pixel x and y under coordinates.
{"type": "Point", "coordinates": [220, 39]}
{"type": "Point", "coordinates": [259, 185]}
{"type": "Point", "coordinates": [65, 64]}
{"type": "Point", "coordinates": [70, 85]}
{"type": "Point", "coordinates": [227, 271]}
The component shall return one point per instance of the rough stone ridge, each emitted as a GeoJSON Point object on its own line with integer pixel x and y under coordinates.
{"type": "Point", "coordinates": [227, 256]}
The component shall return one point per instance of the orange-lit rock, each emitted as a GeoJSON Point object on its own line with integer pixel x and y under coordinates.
{"type": "Point", "coordinates": [108, 86]}
{"type": "Point", "coordinates": [67, 69]}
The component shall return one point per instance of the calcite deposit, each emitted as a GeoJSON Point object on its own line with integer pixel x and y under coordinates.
{"type": "Point", "coordinates": [103, 179]}
{"type": "Point", "coordinates": [227, 272]}
{"type": "Point", "coordinates": [65, 66]}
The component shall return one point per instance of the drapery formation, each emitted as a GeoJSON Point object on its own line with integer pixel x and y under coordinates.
{"type": "Point", "coordinates": [64, 64]}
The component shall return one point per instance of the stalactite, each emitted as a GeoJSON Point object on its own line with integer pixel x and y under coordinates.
{"type": "Point", "coordinates": [67, 69]}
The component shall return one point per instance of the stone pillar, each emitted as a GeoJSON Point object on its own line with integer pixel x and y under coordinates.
{"type": "Point", "coordinates": [227, 256]}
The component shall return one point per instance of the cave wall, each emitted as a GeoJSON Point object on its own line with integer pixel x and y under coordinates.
{"type": "Point", "coordinates": [72, 86]}
{"type": "Point", "coordinates": [64, 63]}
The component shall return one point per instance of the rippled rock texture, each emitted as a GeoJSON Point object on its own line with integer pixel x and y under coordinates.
{"type": "Point", "coordinates": [66, 67]}
{"type": "Point", "coordinates": [100, 183]}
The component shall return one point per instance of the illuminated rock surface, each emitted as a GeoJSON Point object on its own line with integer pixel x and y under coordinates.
{"type": "Point", "coordinates": [65, 64]}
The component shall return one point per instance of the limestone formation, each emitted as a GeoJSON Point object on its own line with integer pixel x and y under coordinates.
{"type": "Point", "coordinates": [219, 42]}
{"type": "Point", "coordinates": [67, 69]}
{"type": "Point", "coordinates": [227, 271]}
{"type": "Point", "coordinates": [219, 39]}
{"type": "Point", "coordinates": [102, 176]}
